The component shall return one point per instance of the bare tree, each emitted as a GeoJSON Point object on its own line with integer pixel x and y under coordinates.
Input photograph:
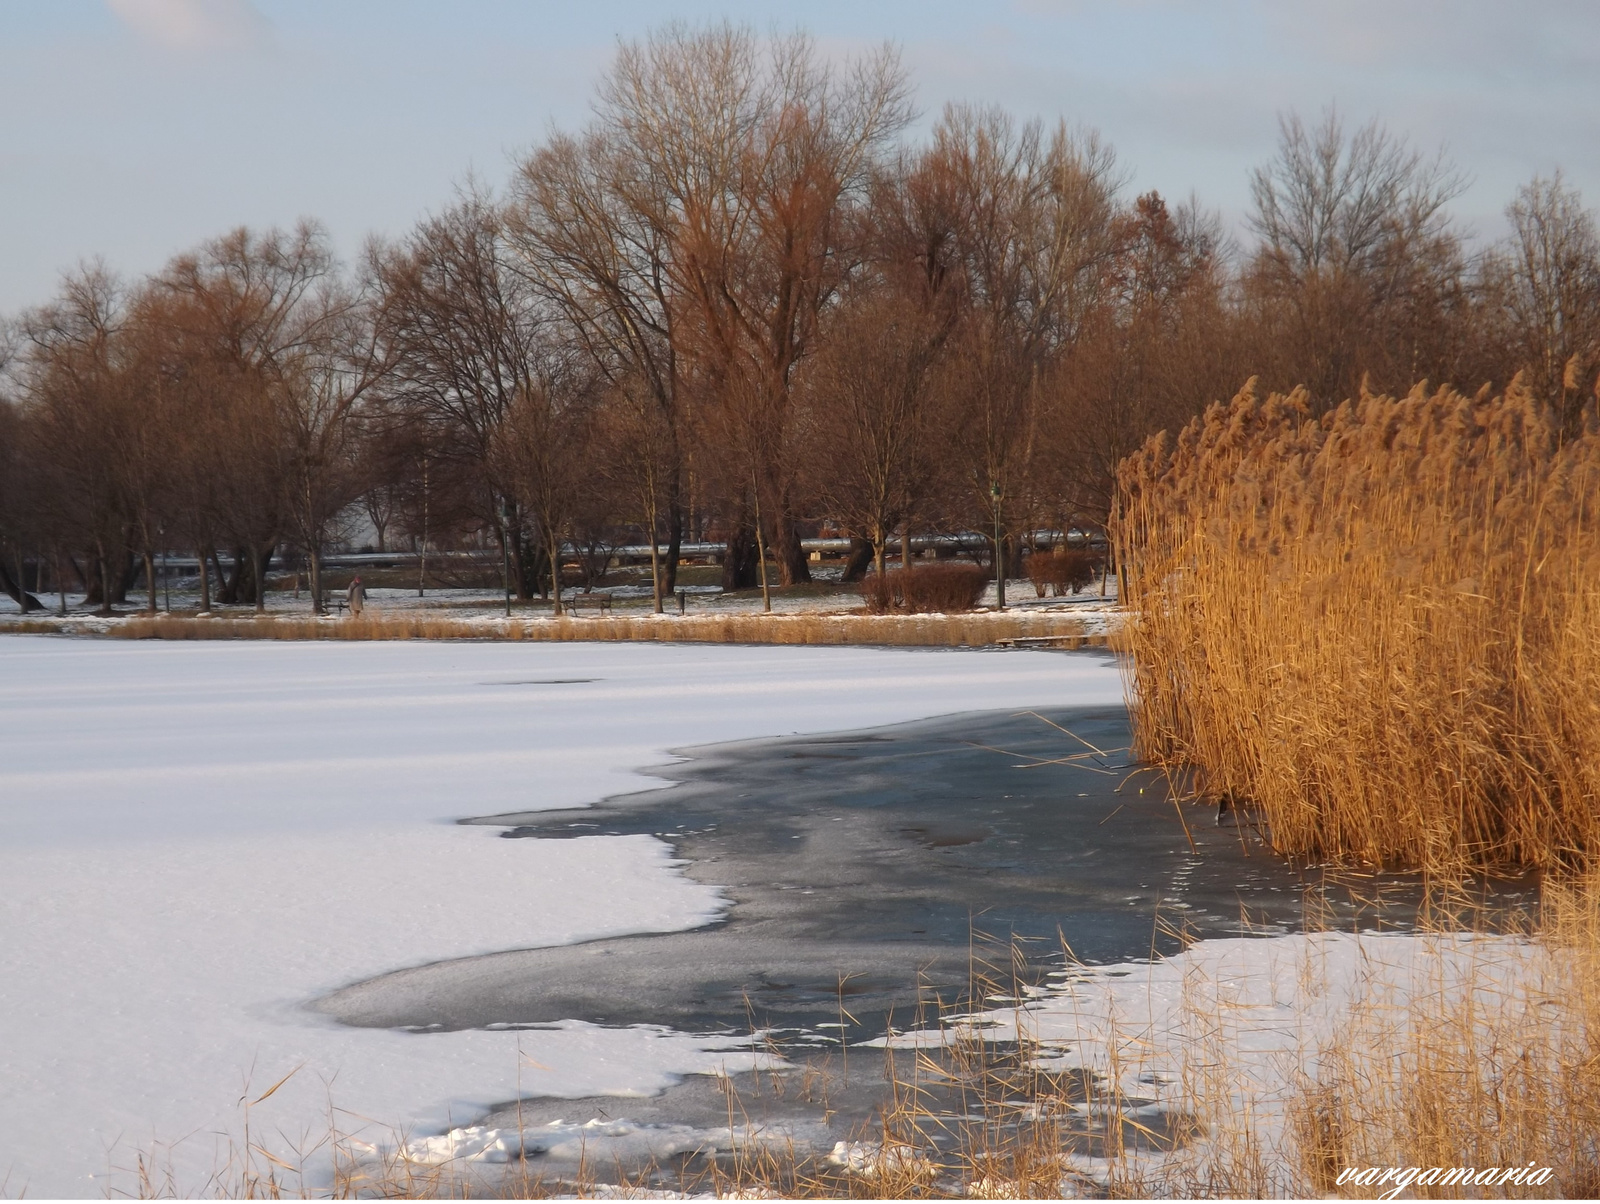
{"type": "Point", "coordinates": [540, 451]}
{"type": "Point", "coordinates": [19, 488]}
{"type": "Point", "coordinates": [459, 326]}
{"type": "Point", "coordinates": [1158, 348]}
{"type": "Point", "coordinates": [634, 451]}
{"type": "Point", "coordinates": [243, 309]}
{"type": "Point", "coordinates": [701, 219]}
{"type": "Point", "coordinates": [74, 395]}
{"type": "Point", "coordinates": [338, 364]}
{"type": "Point", "coordinates": [1357, 257]}
{"type": "Point", "coordinates": [871, 429]}
{"type": "Point", "coordinates": [1029, 239]}
{"type": "Point", "coordinates": [589, 226]}
{"type": "Point", "coordinates": [1544, 281]}
{"type": "Point", "coordinates": [145, 419]}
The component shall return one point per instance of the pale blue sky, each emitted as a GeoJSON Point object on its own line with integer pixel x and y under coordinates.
{"type": "Point", "coordinates": [136, 128]}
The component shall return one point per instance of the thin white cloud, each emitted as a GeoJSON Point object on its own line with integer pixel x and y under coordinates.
{"type": "Point", "coordinates": [193, 24]}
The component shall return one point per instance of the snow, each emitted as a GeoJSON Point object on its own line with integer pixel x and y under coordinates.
{"type": "Point", "coordinates": [599, 1142]}
{"type": "Point", "coordinates": [1099, 613]}
{"type": "Point", "coordinates": [196, 839]}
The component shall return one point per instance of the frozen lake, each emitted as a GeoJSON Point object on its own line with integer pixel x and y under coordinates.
{"type": "Point", "coordinates": [199, 840]}
{"type": "Point", "coordinates": [865, 868]}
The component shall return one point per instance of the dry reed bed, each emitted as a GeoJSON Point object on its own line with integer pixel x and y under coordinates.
{"type": "Point", "coordinates": [1301, 1067]}
{"type": "Point", "coordinates": [1495, 1063]}
{"type": "Point", "coordinates": [1449, 1053]}
{"type": "Point", "coordinates": [1377, 628]}
{"type": "Point", "coordinates": [969, 630]}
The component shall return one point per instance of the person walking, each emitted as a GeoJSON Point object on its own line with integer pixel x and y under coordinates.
{"type": "Point", "coordinates": [356, 597]}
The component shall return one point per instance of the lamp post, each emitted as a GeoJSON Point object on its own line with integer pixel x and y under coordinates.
{"type": "Point", "coordinates": [505, 553]}
{"type": "Point", "coordinates": [166, 578]}
{"type": "Point", "coordinates": [999, 549]}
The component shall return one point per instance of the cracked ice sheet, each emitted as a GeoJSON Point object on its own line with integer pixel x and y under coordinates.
{"type": "Point", "coordinates": [197, 838]}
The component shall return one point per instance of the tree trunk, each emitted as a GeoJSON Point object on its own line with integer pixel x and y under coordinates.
{"type": "Point", "coordinates": [422, 547]}
{"type": "Point", "coordinates": [205, 580]}
{"type": "Point", "coordinates": [247, 581]}
{"type": "Point", "coordinates": [855, 565]}
{"type": "Point", "coordinates": [674, 542]}
{"type": "Point", "coordinates": [505, 565]}
{"type": "Point", "coordinates": [230, 585]}
{"type": "Point", "coordinates": [739, 569]}
{"type": "Point", "coordinates": [103, 563]}
{"type": "Point", "coordinates": [150, 579]}
{"type": "Point", "coordinates": [905, 548]}
{"type": "Point", "coordinates": [791, 557]}
{"type": "Point", "coordinates": [761, 554]}
{"type": "Point", "coordinates": [258, 570]}
{"type": "Point", "coordinates": [655, 562]}
{"type": "Point", "coordinates": [1001, 558]}
{"type": "Point", "coordinates": [526, 570]}
{"type": "Point", "coordinates": [314, 572]}
{"type": "Point", "coordinates": [16, 591]}
{"type": "Point", "coordinates": [109, 584]}
{"type": "Point", "coordinates": [553, 546]}
{"type": "Point", "coordinates": [125, 580]}
{"type": "Point", "coordinates": [529, 578]}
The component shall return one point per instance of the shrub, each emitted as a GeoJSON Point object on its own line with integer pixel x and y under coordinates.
{"type": "Point", "coordinates": [935, 588]}
{"type": "Point", "coordinates": [1377, 627]}
{"type": "Point", "coordinates": [1063, 569]}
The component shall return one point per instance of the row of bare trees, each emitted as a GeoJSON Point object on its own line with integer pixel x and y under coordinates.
{"type": "Point", "coordinates": [213, 404]}
{"type": "Point", "coordinates": [741, 305]}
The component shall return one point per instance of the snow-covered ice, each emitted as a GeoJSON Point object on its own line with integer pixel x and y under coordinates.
{"type": "Point", "coordinates": [197, 838]}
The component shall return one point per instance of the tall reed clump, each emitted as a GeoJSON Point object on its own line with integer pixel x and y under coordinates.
{"type": "Point", "coordinates": [1380, 628]}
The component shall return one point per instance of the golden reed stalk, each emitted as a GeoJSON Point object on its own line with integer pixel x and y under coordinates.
{"type": "Point", "coordinates": [1380, 629]}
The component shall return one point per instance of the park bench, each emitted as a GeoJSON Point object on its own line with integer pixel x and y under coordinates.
{"type": "Point", "coordinates": [335, 601]}
{"type": "Point", "coordinates": [599, 602]}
